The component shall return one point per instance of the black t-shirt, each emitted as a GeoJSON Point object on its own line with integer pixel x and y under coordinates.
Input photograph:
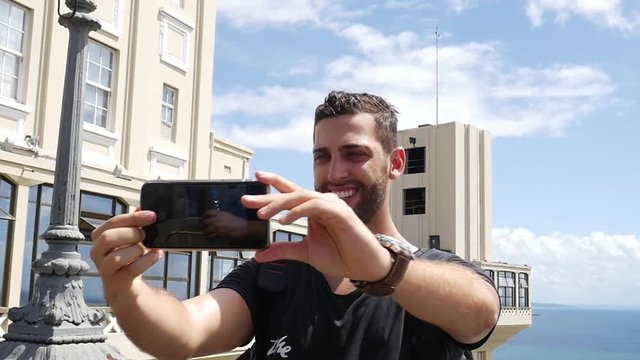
{"type": "Point", "coordinates": [297, 316]}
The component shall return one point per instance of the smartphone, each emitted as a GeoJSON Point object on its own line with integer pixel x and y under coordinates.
{"type": "Point", "coordinates": [204, 215]}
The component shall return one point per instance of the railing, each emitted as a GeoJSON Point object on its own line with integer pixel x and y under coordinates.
{"type": "Point", "coordinates": [109, 322]}
{"type": "Point", "coordinates": [515, 311]}
{"type": "Point", "coordinates": [4, 320]}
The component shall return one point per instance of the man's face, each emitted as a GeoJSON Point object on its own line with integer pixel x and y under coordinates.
{"type": "Point", "coordinates": [349, 161]}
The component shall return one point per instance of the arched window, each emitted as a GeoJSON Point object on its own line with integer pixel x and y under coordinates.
{"type": "Point", "coordinates": [7, 211]}
{"type": "Point", "coordinates": [523, 290]}
{"type": "Point", "coordinates": [507, 288]}
{"type": "Point", "coordinates": [94, 210]}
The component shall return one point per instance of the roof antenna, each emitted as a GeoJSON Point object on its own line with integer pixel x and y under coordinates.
{"type": "Point", "coordinates": [437, 34]}
{"type": "Point", "coordinates": [435, 152]}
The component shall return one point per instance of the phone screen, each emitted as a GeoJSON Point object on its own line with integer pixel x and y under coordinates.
{"type": "Point", "coordinates": [203, 215]}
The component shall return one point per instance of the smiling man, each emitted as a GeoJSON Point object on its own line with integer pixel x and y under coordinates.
{"type": "Point", "coordinates": [354, 288]}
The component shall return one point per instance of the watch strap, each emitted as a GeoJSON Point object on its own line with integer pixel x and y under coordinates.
{"type": "Point", "coordinates": [401, 256]}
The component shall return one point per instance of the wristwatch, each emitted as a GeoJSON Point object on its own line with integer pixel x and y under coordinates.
{"type": "Point", "coordinates": [401, 256]}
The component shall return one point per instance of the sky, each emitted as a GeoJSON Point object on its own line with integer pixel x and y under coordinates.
{"type": "Point", "coordinates": [556, 82]}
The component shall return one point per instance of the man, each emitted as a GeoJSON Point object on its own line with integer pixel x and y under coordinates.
{"type": "Point", "coordinates": [352, 289]}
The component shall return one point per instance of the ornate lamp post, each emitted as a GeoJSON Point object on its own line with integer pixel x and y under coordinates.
{"type": "Point", "coordinates": [57, 323]}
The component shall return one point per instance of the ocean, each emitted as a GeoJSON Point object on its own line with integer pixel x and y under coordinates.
{"type": "Point", "coordinates": [572, 333]}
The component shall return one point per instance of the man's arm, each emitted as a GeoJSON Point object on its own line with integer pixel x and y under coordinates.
{"type": "Point", "coordinates": [338, 244]}
{"type": "Point", "coordinates": [167, 328]}
{"type": "Point", "coordinates": [450, 296]}
{"type": "Point", "coordinates": [152, 318]}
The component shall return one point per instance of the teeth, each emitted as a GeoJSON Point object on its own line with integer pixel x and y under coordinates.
{"type": "Point", "coordinates": [344, 194]}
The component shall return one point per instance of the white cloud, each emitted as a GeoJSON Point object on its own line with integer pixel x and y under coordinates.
{"type": "Point", "coordinates": [278, 117]}
{"type": "Point", "coordinates": [407, 4]}
{"type": "Point", "coordinates": [607, 13]}
{"type": "Point", "coordinates": [476, 86]}
{"type": "Point", "coordinates": [464, 5]}
{"type": "Point", "coordinates": [306, 66]}
{"type": "Point", "coordinates": [593, 269]}
{"type": "Point", "coordinates": [261, 13]}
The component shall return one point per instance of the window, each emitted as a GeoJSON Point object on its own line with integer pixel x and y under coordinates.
{"type": "Point", "coordinates": [7, 194]}
{"type": "Point", "coordinates": [506, 288]}
{"type": "Point", "coordinates": [12, 24]}
{"type": "Point", "coordinates": [176, 273]}
{"type": "Point", "coordinates": [167, 121]}
{"type": "Point", "coordinates": [490, 274]}
{"type": "Point", "coordinates": [414, 201]}
{"type": "Point", "coordinates": [286, 236]}
{"type": "Point", "coordinates": [97, 95]}
{"type": "Point", "coordinates": [175, 41]}
{"type": "Point", "coordinates": [94, 210]}
{"type": "Point", "coordinates": [523, 290]}
{"type": "Point", "coordinates": [222, 262]}
{"type": "Point", "coordinates": [38, 215]}
{"type": "Point", "coordinates": [227, 169]}
{"type": "Point", "coordinates": [415, 160]}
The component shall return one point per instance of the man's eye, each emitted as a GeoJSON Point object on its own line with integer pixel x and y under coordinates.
{"type": "Point", "coordinates": [320, 157]}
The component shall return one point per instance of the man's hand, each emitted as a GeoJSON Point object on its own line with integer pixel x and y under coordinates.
{"type": "Point", "coordinates": [224, 224]}
{"type": "Point", "coordinates": [119, 254]}
{"type": "Point", "coordinates": [338, 243]}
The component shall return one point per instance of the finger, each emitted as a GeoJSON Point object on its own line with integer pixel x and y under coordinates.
{"type": "Point", "coordinates": [323, 207]}
{"type": "Point", "coordinates": [113, 239]}
{"type": "Point", "coordinates": [136, 219]}
{"type": "Point", "coordinates": [142, 264]}
{"type": "Point", "coordinates": [119, 258]}
{"type": "Point", "coordinates": [272, 204]}
{"type": "Point", "coordinates": [281, 184]}
{"type": "Point", "coordinates": [280, 251]}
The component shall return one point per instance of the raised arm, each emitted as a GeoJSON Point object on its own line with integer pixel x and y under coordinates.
{"type": "Point", "coordinates": [450, 296]}
{"type": "Point", "coordinates": [445, 294]}
{"type": "Point", "coordinates": [152, 318]}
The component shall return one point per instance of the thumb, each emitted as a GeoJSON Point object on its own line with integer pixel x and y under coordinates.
{"type": "Point", "coordinates": [283, 251]}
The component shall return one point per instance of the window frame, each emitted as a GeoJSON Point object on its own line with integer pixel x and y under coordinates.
{"type": "Point", "coordinates": [20, 55]}
{"type": "Point", "coordinates": [99, 87]}
{"type": "Point", "coordinates": [237, 258]}
{"type": "Point", "coordinates": [10, 223]}
{"type": "Point", "coordinates": [167, 107]}
{"type": "Point", "coordinates": [291, 236]}
{"type": "Point", "coordinates": [408, 206]}
{"type": "Point", "coordinates": [169, 22]}
{"type": "Point", "coordinates": [421, 166]}
{"type": "Point", "coordinates": [42, 198]}
{"type": "Point", "coordinates": [165, 277]}
{"type": "Point", "coordinates": [506, 288]}
{"type": "Point", "coordinates": [523, 290]}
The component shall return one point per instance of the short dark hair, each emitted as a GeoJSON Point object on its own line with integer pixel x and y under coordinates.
{"type": "Point", "coordinates": [385, 115]}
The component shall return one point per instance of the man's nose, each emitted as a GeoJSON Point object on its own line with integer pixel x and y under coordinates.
{"type": "Point", "coordinates": [337, 170]}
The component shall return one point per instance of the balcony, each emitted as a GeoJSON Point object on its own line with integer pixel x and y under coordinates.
{"type": "Point", "coordinates": [512, 282]}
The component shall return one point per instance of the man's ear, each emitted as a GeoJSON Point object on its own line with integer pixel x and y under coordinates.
{"type": "Point", "coordinates": [398, 160]}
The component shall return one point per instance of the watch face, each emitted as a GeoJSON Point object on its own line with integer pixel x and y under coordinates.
{"type": "Point", "coordinates": [394, 245]}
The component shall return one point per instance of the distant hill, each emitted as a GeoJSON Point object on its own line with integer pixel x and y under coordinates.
{"type": "Point", "coordinates": [550, 305]}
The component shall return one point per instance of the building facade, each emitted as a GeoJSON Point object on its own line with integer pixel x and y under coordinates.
{"type": "Point", "coordinates": [146, 116]}
{"type": "Point", "coordinates": [443, 201]}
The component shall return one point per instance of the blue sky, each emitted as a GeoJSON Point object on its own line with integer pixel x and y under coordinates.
{"type": "Point", "coordinates": [556, 82]}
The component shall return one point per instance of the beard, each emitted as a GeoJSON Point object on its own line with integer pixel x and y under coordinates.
{"type": "Point", "coordinates": [371, 197]}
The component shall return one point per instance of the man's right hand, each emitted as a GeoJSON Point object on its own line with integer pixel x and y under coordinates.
{"type": "Point", "coordinates": [119, 254]}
